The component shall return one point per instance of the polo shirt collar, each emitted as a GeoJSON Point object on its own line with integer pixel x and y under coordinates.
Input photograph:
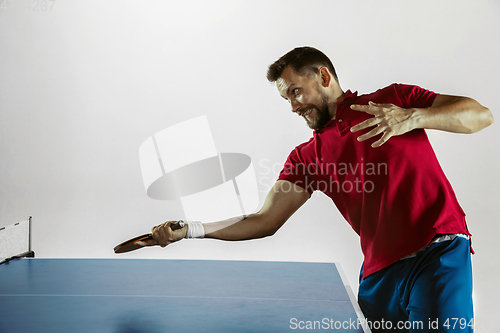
{"type": "Point", "coordinates": [349, 95]}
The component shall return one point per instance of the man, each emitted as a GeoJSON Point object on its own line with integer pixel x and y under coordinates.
{"type": "Point", "coordinates": [371, 156]}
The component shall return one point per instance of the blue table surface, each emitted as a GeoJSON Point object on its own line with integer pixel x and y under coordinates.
{"type": "Point", "coordinates": [146, 295]}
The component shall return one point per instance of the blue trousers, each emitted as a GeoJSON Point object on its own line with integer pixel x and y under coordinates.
{"type": "Point", "coordinates": [431, 292]}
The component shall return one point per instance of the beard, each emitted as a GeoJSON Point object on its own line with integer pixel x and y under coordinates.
{"type": "Point", "coordinates": [322, 114]}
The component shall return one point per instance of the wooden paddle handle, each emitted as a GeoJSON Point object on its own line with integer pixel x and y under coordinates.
{"type": "Point", "coordinates": [177, 225]}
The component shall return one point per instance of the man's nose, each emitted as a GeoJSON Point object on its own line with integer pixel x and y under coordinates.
{"type": "Point", "coordinates": [295, 105]}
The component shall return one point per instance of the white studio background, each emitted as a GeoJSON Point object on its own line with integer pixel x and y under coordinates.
{"type": "Point", "coordinates": [84, 83]}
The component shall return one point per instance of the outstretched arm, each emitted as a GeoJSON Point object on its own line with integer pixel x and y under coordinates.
{"type": "Point", "coordinates": [447, 113]}
{"type": "Point", "coordinates": [281, 202]}
{"type": "Point", "coordinates": [454, 114]}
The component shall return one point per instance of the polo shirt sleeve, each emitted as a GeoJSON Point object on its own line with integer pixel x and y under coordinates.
{"type": "Point", "coordinates": [414, 97]}
{"type": "Point", "coordinates": [296, 172]}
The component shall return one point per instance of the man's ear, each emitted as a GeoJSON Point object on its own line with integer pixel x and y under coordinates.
{"type": "Point", "coordinates": [325, 76]}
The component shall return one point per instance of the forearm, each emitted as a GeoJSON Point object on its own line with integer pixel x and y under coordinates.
{"type": "Point", "coordinates": [281, 202]}
{"type": "Point", "coordinates": [458, 115]}
{"type": "Point", "coordinates": [240, 228]}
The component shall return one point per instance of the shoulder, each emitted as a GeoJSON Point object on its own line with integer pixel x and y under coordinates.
{"type": "Point", "coordinates": [401, 94]}
{"type": "Point", "coordinates": [301, 153]}
{"type": "Point", "coordinates": [300, 149]}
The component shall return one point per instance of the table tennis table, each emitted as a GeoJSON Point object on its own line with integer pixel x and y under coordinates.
{"type": "Point", "coordinates": [161, 295]}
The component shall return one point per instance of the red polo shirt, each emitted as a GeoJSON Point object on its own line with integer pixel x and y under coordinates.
{"type": "Point", "coordinates": [395, 197]}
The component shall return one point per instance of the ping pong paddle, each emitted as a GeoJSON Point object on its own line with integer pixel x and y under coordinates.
{"type": "Point", "coordinates": [133, 244]}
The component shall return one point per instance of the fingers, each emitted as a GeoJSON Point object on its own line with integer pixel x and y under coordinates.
{"type": "Point", "coordinates": [386, 136]}
{"type": "Point", "coordinates": [365, 124]}
{"type": "Point", "coordinates": [164, 235]}
{"type": "Point", "coordinates": [375, 109]}
{"type": "Point", "coordinates": [147, 242]}
{"type": "Point", "coordinates": [389, 119]}
{"type": "Point", "coordinates": [374, 132]}
{"type": "Point", "coordinates": [371, 108]}
{"type": "Point", "coordinates": [161, 235]}
{"type": "Point", "coordinates": [378, 110]}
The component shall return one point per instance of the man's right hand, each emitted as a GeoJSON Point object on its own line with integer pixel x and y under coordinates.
{"type": "Point", "coordinates": [164, 235]}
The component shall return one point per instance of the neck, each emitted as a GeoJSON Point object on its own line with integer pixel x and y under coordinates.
{"type": "Point", "coordinates": [332, 107]}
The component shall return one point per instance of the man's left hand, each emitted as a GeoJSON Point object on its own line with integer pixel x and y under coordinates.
{"type": "Point", "coordinates": [389, 119]}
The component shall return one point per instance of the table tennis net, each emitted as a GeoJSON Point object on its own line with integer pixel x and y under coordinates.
{"type": "Point", "coordinates": [15, 241]}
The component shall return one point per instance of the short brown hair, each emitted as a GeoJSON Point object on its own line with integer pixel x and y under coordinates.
{"type": "Point", "coordinates": [303, 60]}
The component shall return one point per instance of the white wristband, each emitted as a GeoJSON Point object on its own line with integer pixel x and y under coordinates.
{"type": "Point", "coordinates": [195, 229]}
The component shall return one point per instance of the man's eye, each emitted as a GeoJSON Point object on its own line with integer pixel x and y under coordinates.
{"type": "Point", "coordinates": [295, 91]}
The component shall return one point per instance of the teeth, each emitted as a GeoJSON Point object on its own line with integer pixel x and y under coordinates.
{"type": "Point", "coordinates": [307, 113]}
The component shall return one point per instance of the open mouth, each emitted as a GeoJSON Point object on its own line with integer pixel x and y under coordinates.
{"type": "Point", "coordinates": [306, 114]}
